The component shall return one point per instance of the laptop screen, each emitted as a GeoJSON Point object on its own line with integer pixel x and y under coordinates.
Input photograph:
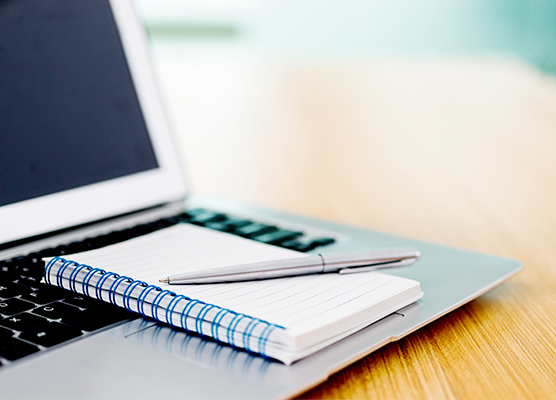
{"type": "Point", "coordinates": [69, 114]}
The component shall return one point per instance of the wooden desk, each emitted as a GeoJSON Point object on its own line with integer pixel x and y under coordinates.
{"type": "Point", "coordinates": [460, 152]}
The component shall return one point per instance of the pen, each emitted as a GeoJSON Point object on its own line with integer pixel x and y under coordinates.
{"type": "Point", "coordinates": [343, 263]}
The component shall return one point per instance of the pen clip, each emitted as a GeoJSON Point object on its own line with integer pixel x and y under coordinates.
{"type": "Point", "coordinates": [391, 264]}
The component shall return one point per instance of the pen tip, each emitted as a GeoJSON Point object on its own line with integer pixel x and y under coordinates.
{"type": "Point", "coordinates": [165, 280]}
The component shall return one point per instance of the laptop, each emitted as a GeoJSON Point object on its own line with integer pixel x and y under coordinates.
{"type": "Point", "coordinates": [87, 160]}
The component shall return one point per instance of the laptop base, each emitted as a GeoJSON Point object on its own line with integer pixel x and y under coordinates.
{"type": "Point", "coordinates": [142, 359]}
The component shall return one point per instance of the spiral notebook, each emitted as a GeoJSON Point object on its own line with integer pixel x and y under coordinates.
{"type": "Point", "coordinates": [284, 319]}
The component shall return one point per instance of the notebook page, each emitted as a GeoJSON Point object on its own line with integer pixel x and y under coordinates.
{"type": "Point", "coordinates": [302, 304]}
{"type": "Point", "coordinates": [179, 249]}
{"type": "Point", "coordinates": [315, 306]}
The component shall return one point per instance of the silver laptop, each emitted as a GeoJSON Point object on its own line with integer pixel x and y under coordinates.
{"type": "Point", "coordinates": [86, 160]}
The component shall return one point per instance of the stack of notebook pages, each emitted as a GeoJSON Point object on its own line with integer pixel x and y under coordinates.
{"type": "Point", "coordinates": [284, 319]}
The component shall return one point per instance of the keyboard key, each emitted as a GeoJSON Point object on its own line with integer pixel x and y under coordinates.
{"type": "Point", "coordinates": [44, 294]}
{"type": "Point", "coordinates": [12, 348]}
{"type": "Point", "coordinates": [278, 236]}
{"type": "Point", "coordinates": [13, 290]}
{"type": "Point", "coordinates": [14, 306]}
{"type": "Point", "coordinates": [306, 244]}
{"type": "Point", "coordinates": [121, 236]}
{"type": "Point", "coordinates": [236, 223]}
{"type": "Point", "coordinates": [93, 319]}
{"type": "Point", "coordinates": [50, 334]}
{"type": "Point", "coordinates": [5, 332]}
{"type": "Point", "coordinates": [297, 244]}
{"type": "Point", "coordinates": [124, 235]}
{"type": "Point", "coordinates": [34, 258]}
{"type": "Point", "coordinates": [100, 241]}
{"type": "Point", "coordinates": [323, 241]}
{"type": "Point", "coordinates": [8, 290]}
{"type": "Point", "coordinates": [217, 226]}
{"type": "Point", "coordinates": [207, 216]}
{"type": "Point", "coordinates": [17, 262]}
{"type": "Point", "coordinates": [97, 306]}
{"type": "Point", "coordinates": [55, 310]}
{"type": "Point", "coordinates": [166, 222]}
{"type": "Point", "coordinates": [77, 247]}
{"type": "Point", "coordinates": [23, 322]}
{"type": "Point", "coordinates": [82, 301]}
{"type": "Point", "coordinates": [228, 225]}
{"type": "Point", "coordinates": [62, 250]}
{"type": "Point", "coordinates": [187, 215]}
{"type": "Point", "coordinates": [49, 252]}
{"type": "Point", "coordinates": [8, 271]}
{"type": "Point", "coordinates": [253, 230]}
{"type": "Point", "coordinates": [29, 281]}
{"type": "Point", "coordinates": [87, 244]}
{"type": "Point", "coordinates": [141, 230]}
{"type": "Point", "coordinates": [32, 265]}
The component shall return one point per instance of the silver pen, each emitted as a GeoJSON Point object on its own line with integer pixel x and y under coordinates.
{"type": "Point", "coordinates": [343, 263]}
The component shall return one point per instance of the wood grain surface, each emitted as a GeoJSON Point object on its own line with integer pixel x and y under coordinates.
{"type": "Point", "coordinates": [460, 152]}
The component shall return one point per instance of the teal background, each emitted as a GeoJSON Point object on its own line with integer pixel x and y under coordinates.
{"type": "Point", "coordinates": [347, 29]}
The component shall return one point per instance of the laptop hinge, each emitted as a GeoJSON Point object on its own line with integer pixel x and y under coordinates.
{"type": "Point", "coordinates": [91, 229]}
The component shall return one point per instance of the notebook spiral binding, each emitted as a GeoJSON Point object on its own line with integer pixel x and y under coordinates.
{"type": "Point", "coordinates": [139, 297]}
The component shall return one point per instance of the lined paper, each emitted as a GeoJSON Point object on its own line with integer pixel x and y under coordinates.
{"type": "Point", "coordinates": [303, 305]}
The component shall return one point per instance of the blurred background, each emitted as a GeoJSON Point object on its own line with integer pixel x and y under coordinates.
{"type": "Point", "coordinates": [333, 29]}
{"type": "Point", "coordinates": [432, 119]}
{"type": "Point", "coordinates": [428, 104]}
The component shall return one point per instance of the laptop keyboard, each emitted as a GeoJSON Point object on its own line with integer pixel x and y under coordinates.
{"type": "Point", "coordinates": [35, 316]}
{"type": "Point", "coordinates": [270, 234]}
